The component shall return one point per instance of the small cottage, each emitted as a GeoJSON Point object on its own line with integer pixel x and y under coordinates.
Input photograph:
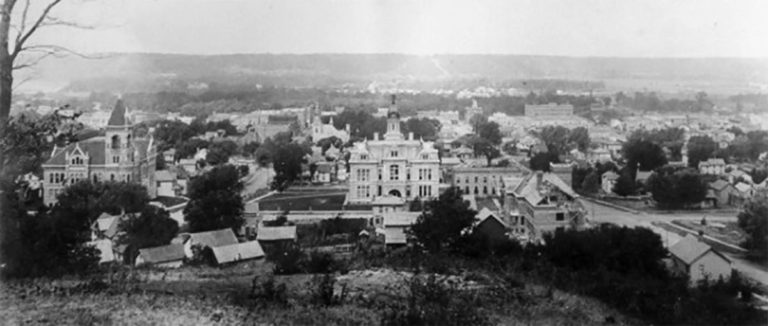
{"type": "Point", "coordinates": [170, 256]}
{"type": "Point", "coordinates": [698, 261]}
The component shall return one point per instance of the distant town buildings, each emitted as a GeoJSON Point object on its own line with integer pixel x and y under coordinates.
{"type": "Point", "coordinates": [548, 110]}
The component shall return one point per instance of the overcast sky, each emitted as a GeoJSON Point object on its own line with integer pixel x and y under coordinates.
{"type": "Point", "coordinates": [655, 28]}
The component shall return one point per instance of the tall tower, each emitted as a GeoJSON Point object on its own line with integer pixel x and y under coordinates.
{"type": "Point", "coordinates": [118, 140]}
{"type": "Point", "coordinates": [393, 122]}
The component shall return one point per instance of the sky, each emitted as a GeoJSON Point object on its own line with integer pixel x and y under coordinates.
{"type": "Point", "coordinates": [603, 28]}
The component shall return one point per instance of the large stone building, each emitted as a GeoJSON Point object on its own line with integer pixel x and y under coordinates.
{"type": "Point", "coordinates": [483, 181]}
{"type": "Point", "coordinates": [393, 166]}
{"type": "Point", "coordinates": [115, 156]}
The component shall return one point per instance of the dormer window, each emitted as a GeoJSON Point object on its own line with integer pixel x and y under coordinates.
{"type": "Point", "coordinates": [363, 157]}
{"type": "Point", "coordinates": [393, 153]}
{"type": "Point", "coordinates": [115, 142]}
{"type": "Point", "coordinates": [425, 156]}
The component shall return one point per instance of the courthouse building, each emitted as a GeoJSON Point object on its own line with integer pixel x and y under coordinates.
{"type": "Point", "coordinates": [393, 166]}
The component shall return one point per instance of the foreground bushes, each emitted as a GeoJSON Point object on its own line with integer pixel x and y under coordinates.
{"type": "Point", "coordinates": [290, 259]}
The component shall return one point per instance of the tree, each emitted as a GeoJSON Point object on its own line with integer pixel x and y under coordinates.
{"type": "Point", "coordinates": [423, 128]}
{"type": "Point", "coordinates": [17, 53]}
{"type": "Point", "coordinates": [677, 188]}
{"type": "Point", "coordinates": [152, 227]}
{"type": "Point", "coordinates": [89, 199]}
{"type": "Point", "coordinates": [555, 137]}
{"type": "Point", "coordinates": [326, 143]}
{"type": "Point", "coordinates": [625, 184]}
{"type": "Point", "coordinates": [591, 183]}
{"type": "Point", "coordinates": [484, 147]}
{"type": "Point", "coordinates": [700, 148]}
{"type": "Point", "coordinates": [28, 142]}
{"type": "Point", "coordinates": [215, 200]}
{"type": "Point", "coordinates": [541, 161]}
{"type": "Point", "coordinates": [580, 137]}
{"type": "Point", "coordinates": [510, 148]}
{"type": "Point", "coordinates": [753, 219]}
{"type": "Point", "coordinates": [220, 151]}
{"type": "Point", "coordinates": [490, 131]}
{"type": "Point", "coordinates": [477, 121]}
{"type": "Point", "coordinates": [250, 148]}
{"type": "Point", "coordinates": [643, 155]}
{"type": "Point", "coordinates": [442, 225]}
{"type": "Point", "coordinates": [287, 160]}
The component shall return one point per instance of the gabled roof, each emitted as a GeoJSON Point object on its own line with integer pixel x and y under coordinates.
{"type": "Point", "coordinates": [237, 252]}
{"type": "Point", "coordinates": [171, 252]}
{"type": "Point", "coordinates": [743, 187]}
{"type": "Point", "coordinates": [718, 185]}
{"type": "Point", "coordinates": [486, 214]}
{"type": "Point", "coordinates": [106, 224]}
{"type": "Point", "coordinates": [274, 233]}
{"type": "Point", "coordinates": [214, 239]}
{"type": "Point", "coordinates": [528, 189]}
{"type": "Point", "coordinates": [690, 249]}
{"type": "Point", "coordinates": [118, 117]}
{"type": "Point", "coordinates": [94, 147]}
{"type": "Point", "coordinates": [643, 175]}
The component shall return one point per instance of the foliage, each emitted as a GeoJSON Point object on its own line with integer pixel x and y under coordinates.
{"type": "Point", "coordinates": [441, 226]}
{"type": "Point", "coordinates": [269, 291]}
{"type": "Point", "coordinates": [288, 259]}
{"type": "Point", "coordinates": [677, 188]}
{"type": "Point", "coordinates": [189, 147]}
{"type": "Point", "coordinates": [541, 161]}
{"type": "Point", "coordinates": [556, 139]}
{"type": "Point", "coordinates": [579, 137]}
{"type": "Point", "coordinates": [201, 256]}
{"type": "Point", "coordinates": [433, 302]}
{"type": "Point", "coordinates": [220, 151]}
{"type": "Point", "coordinates": [591, 183]}
{"type": "Point", "coordinates": [249, 149]}
{"type": "Point", "coordinates": [477, 122]}
{"type": "Point", "coordinates": [423, 128]}
{"type": "Point", "coordinates": [89, 199]}
{"type": "Point", "coordinates": [625, 184]}
{"type": "Point", "coordinates": [28, 142]}
{"type": "Point", "coordinates": [215, 200]}
{"type": "Point", "coordinates": [490, 132]}
{"type": "Point", "coordinates": [643, 155]}
{"type": "Point", "coordinates": [152, 227]}
{"type": "Point", "coordinates": [753, 219]}
{"type": "Point", "coordinates": [171, 134]}
{"type": "Point", "coordinates": [700, 148]}
{"type": "Point", "coordinates": [759, 175]}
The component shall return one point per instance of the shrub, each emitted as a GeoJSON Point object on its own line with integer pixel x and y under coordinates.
{"type": "Point", "coordinates": [321, 262]}
{"type": "Point", "coordinates": [268, 291]}
{"type": "Point", "coordinates": [288, 259]}
{"type": "Point", "coordinates": [324, 291]}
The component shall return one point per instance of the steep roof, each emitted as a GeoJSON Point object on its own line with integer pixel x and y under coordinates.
{"type": "Point", "coordinates": [106, 224]}
{"type": "Point", "coordinates": [104, 246]}
{"type": "Point", "coordinates": [274, 233]}
{"type": "Point", "coordinates": [214, 239]}
{"type": "Point", "coordinates": [93, 147]}
{"type": "Point", "coordinates": [118, 115]}
{"type": "Point", "coordinates": [718, 185]}
{"type": "Point", "coordinates": [690, 249]}
{"type": "Point", "coordinates": [237, 252]}
{"type": "Point", "coordinates": [171, 252]}
{"type": "Point", "coordinates": [528, 189]}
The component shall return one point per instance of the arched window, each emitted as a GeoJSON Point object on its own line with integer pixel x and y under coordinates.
{"type": "Point", "coordinates": [115, 142]}
{"type": "Point", "coordinates": [475, 190]}
{"type": "Point", "coordinates": [485, 190]}
{"type": "Point", "coordinates": [128, 141]}
{"type": "Point", "coordinates": [394, 172]}
{"type": "Point", "coordinates": [95, 178]}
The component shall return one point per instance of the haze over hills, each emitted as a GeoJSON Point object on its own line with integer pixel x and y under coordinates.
{"type": "Point", "coordinates": [122, 72]}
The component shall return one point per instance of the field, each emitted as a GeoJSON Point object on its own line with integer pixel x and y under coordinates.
{"type": "Point", "coordinates": [293, 200]}
{"type": "Point", "coordinates": [226, 296]}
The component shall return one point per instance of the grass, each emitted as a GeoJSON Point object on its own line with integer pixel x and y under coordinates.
{"type": "Point", "coordinates": [303, 201]}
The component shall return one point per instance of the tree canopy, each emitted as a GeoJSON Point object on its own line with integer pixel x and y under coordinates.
{"type": "Point", "coordinates": [753, 219]}
{"type": "Point", "coordinates": [700, 148]}
{"type": "Point", "coordinates": [152, 227]}
{"type": "Point", "coordinates": [643, 155]}
{"type": "Point", "coordinates": [215, 200]}
{"type": "Point", "coordinates": [440, 227]}
{"type": "Point", "coordinates": [677, 188]}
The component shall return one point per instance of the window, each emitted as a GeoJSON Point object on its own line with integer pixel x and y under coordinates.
{"type": "Point", "coordinates": [425, 157]}
{"type": "Point", "coordinates": [363, 175]}
{"type": "Point", "coordinates": [115, 159]}
{"type": "Point", "coordinates": [476, 179]}
{"type": "Point", "coordinates": [475, 190]}
{"type": "Point", "coordinates": [485, 179]}
{"type": "Point", "coordinates": [466, 190]}
{"type": "Point", "coordinates": [128, 178]}
{"type": "Point", "coordinates": [394, 171]}
{"type": "Point", "coordinates": [429, 174]}
{"type": "Point", "coordinates": [485, 190]}
{"type": "Point", "coordinates": [363, 157]}
{"type": "Point", "coordinates": [393, 153]}
{"type": "Point", "coordinates": [380, 177]}
{"type": "Point", "coordinates": [111, 177]}
{"type": "Point", "coordinates": [115, 142]}
{"type": "Point", "coordinates": [560, 216]}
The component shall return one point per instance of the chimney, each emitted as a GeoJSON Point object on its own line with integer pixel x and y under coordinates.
{"type": "Point", "coordinates": [539, 177]}
{"type": "Point", "coordinates": [375, 136]}
{"type": "Point", "coordinates": [410, 135]}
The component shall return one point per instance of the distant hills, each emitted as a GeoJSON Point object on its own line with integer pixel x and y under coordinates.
{"type": "Point", "coordinates": [123, 72]}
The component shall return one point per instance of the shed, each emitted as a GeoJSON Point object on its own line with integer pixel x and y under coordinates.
{"type": "Point", "coordinates": [698, 260]}
{"type": "Point", "coordinates": [170, 256]}
{"type": "Point", "coordinates": [238, 252]}
{"type": "Point", "coordinates": [211, 239]}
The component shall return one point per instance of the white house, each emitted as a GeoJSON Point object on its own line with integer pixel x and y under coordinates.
{"type": "Point", "coordinates": [608, 181]}
{"type": "Point", "coordinates": [698, 260]}
{"type": "Point", "coordinates": [395, 226]}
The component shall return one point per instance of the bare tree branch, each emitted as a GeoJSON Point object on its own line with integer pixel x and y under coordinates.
{"type": "Point", "coordinates": [57, 49]}
{"type": "Point", "coordinates": [55, 21]}
{"type": "Point", "coordinates": [23, 25]}
{"type": "Point", "coordinates": [26, 34]}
